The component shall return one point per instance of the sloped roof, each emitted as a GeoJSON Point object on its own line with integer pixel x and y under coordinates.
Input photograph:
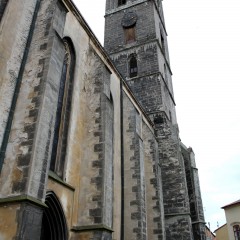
{"type": "Point", "coordinates": [232, 204]}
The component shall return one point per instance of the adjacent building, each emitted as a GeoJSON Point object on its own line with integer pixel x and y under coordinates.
{"type": "Point", "coordinates": [222, 233]}
{"type": "Point", "coordinates": [209, 234]}
{"type": "Point", "coordinates": [232, 212]}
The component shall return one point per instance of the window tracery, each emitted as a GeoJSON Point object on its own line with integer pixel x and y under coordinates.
{"type": "Point", "coordinates": [59, 146]}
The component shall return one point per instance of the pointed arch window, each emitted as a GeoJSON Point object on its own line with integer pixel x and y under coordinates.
{"type": "Point", "coordinates": [59, 146]}
{"type": "Point", "coordinates": [133, 67]}
{"type": "Point", "coordinates": [163, 44]}
{"type": "Point", "coordinates": [54, 225]}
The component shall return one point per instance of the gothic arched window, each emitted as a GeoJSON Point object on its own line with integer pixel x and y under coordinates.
{"type": "Point", "coordinates": [133, 68]}
{"type": "Point", "coordinates": [54, 226]}
{"type": "Point", "coordinates": [63, 112]}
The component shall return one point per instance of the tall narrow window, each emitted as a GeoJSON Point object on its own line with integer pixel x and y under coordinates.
{"type": "Point", "coordinates": [63, 112]}
{"type": "Point", "coordinates": [3, 5]}
{"type": "Point", "coordinates": [121, 2]}
{"type": "Point", "coordinates": [236, 230]}
{"type": "Point", "coordinates": [162, 44]}
{"type": "Point", "coordinates": [130, 35]}
{"type": "Point", "coordinates": [165, 74]}
{"type": "Point", "coordinates": [133, 68]}
{"type": "Point", "coordinates": [54, 225]}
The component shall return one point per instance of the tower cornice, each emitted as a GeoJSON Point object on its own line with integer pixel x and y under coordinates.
{"type": "Point", "coordinates": [131, 4]}
{"type": "Point", "coordinates": [140, 45]}
{"type": "Point", "coordinates": [125, 6]}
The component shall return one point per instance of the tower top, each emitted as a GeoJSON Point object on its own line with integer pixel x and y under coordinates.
{"type": "Point", "coordinates": [119, 5]}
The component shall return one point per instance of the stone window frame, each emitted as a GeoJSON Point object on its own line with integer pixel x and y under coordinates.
{"type": "Point", "coordinates": [59, 146]}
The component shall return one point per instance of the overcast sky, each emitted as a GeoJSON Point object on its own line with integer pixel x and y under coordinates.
{"type": "Point", "coordinates": [204, 46]}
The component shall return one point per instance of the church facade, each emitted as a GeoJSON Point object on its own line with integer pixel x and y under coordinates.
{"type": "Point", "coordinates": [89, 141]}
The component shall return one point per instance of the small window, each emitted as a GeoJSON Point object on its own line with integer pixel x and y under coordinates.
{"type": "Point", "coordinates": [165, 74]}
{"type": "Point", "coordinates": [170, 116]}
{"type": "Point", "coordinates": [162, 44]}
{"type": "Point", "coordinates": [133, 67]}
{"type": "Point", "coordinates": [121, 2]}
{"type": "Point", "coordinates": [236, 230]}
{"type": "Point", "coordinates": [130, 35]}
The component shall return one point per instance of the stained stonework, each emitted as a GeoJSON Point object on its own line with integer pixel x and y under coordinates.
{"type": "Point", "coordinates": [122, 172]}
{"type": "Point", "coordinates": [134, 175]}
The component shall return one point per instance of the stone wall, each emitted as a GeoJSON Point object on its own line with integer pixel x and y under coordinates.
{"type": "Point", "coordinates": [123, 174]}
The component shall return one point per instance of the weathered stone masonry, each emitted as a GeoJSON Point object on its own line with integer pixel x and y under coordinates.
{"type": "Point", "coordinates": [135, 210]}
{"type": "Point", "coordinates": [3, 4]}
{"type": "Point", "coordinates": [152, 86]}
{"type": "Point", "coordinates": [32, 121]}
{"type": "Point", "coordinates": [118, 169]}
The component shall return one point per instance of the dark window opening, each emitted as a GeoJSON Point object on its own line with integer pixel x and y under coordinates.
{"type": "Point", "coordinates": [162, 44]}
{"type": "Point", "coordinates": [3, 5]}
{"type": "Point", "coordinates": [170, 116]}
{"type": "Point", "coordinates": [59, 146]}
{"type": "Point", "coordinates": [121, 2]}
{"type": "Point", "coordinates": [130, 35]}
{"type": "Point", "coordinates": [158, 120]}
{"type": "Point", "coordinates": [133, 68]}
{"type": "Point", "coordinates": [236, 230]}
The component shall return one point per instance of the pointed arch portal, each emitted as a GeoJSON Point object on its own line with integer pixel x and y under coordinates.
{"type": "Point", "coordinates": [54, 225]}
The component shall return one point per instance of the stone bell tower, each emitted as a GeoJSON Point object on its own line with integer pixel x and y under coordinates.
{"type": "Point", "coordinates": [136, 40]}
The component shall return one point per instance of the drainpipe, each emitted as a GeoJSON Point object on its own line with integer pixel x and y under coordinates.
{"type": "Point", "coordinates": [122, 161]}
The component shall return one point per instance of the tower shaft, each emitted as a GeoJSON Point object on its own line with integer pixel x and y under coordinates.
{"type": "Point", "coordinates": [136, 40]}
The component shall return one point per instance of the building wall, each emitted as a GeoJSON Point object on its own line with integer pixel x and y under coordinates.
{"type": "Point", "coordinates": [209, 234]}
{"type": "Point", "coordinates": [111, 181]}
{"type": "Point", "coordinates": [86, 191]}
{"type": "Point", "coordinates": [222, 233]}
{"type": "Point", "coordinates": [233, 218]}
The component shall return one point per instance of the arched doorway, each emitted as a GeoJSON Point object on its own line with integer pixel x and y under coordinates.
{"type": "Point", "coordinates": [54, 225]}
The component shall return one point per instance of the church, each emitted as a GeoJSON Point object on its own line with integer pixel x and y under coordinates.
{"type": "Point", "coordinates": [89, 140]}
